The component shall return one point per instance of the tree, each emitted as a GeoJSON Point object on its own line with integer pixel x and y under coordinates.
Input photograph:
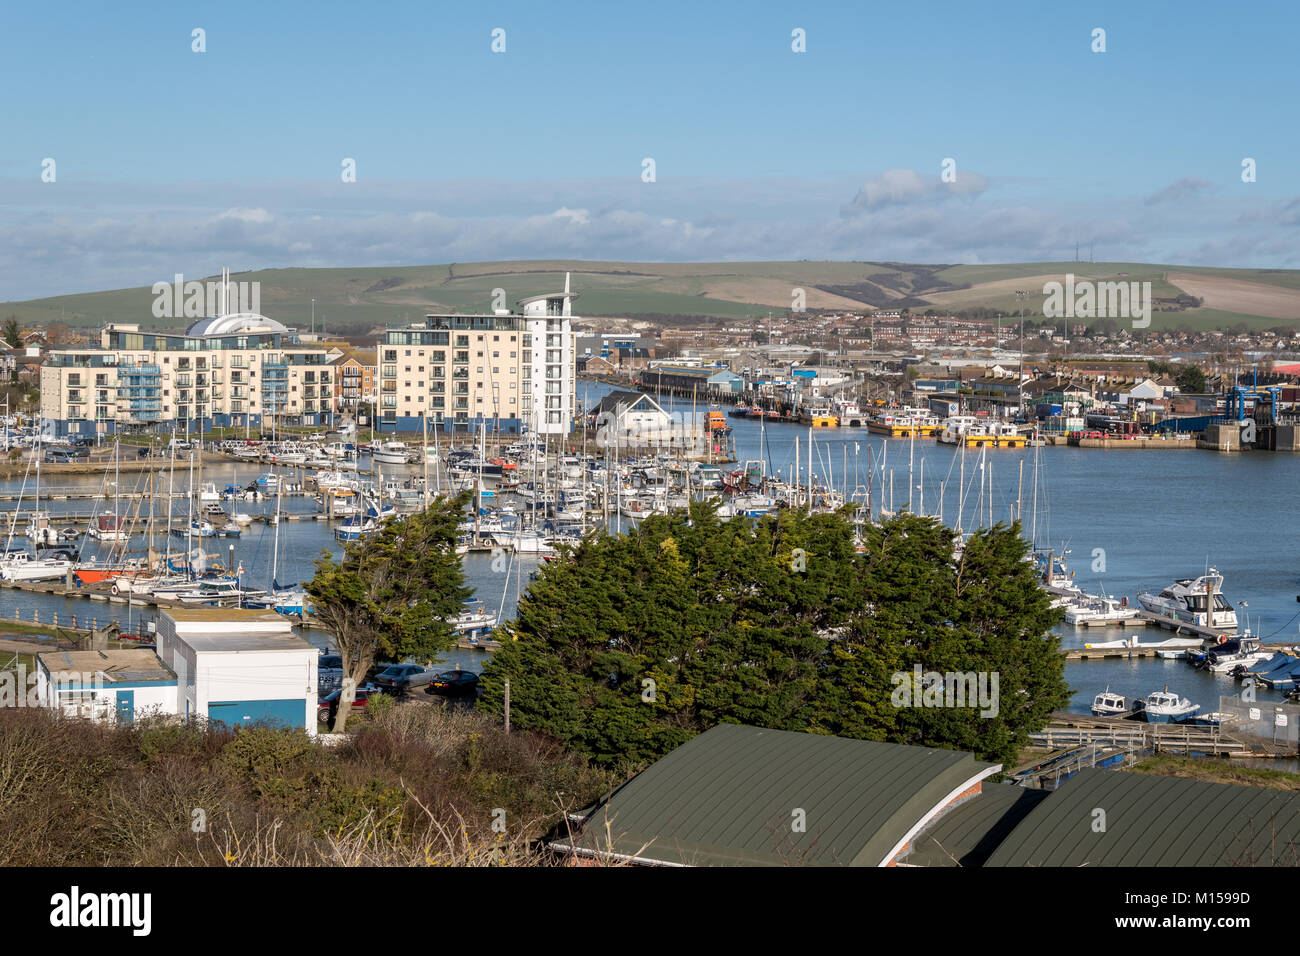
{"type": "Point", "coordinates": [632, 644]}
{"type": "Point", "coordinates": [390, 595]}
{"type": "Point", "coordinates": [1191, 380]}
{"type": "Point", "coordinates": [12, 332]}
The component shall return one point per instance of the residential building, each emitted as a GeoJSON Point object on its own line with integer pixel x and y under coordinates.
{"type": "Point", "coordinates": [236, 370]}
{"type": "Point", "coordinates": [355, 379]}
{"type": "Point", "coordinates": [512, 371]}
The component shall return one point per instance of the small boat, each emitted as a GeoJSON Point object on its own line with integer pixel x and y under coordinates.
{"type": "Point", "coordinates": [1107, 704]}
{"type": "Point", "coordinates": [391, 453]}
{"type": "Point", "coordinates": [1215, 719]}
{"type": "Point", "coordinates": [1098, 609]}
{"type": "Point", "coordinates": [1163, 707]}
{"type": "Point", "coordinates": [108, 528]}
{"type": "Point", "coordinates": [198, 528]}
{"type": "Point", "coordinates": [476, 617]}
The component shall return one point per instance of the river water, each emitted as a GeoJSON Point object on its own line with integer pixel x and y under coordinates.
{"type": "Point", "coordinates": [1130, 520]}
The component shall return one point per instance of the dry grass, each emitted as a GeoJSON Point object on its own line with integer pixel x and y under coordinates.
{"type": "Point", "coordinates": [414, 786]}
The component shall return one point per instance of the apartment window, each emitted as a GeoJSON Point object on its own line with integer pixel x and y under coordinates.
{"type": "Point", "coordinates": [462, 341]}
{"type": "Point", "coordinates": [439, 371]}
{"type": "Point", "coordinates": [512, 355]}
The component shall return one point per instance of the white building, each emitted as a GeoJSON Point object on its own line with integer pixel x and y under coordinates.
{"type": "Point", "coordinates": [105, 685]}
{"type": "Point", "coordinates": [509, 371]}
{"type": "Point", "coordinates": [239, 667]}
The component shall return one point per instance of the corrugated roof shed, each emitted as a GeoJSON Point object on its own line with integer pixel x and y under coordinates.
{"type": "Point", "coordinates": [1155, 821]}
{"type": "Point", "coordinates": [731, 795]}
{"type": "Point", "coordinates": [967, 834]}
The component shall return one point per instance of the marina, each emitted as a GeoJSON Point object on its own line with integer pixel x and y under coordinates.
{"type": "Point", "coordinates": [517, 518]}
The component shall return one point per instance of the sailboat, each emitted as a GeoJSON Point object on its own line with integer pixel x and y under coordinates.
{"type": "Point", "coordinates": [16, 564]}
{"type": "Point", "coordinates": [282, 600]}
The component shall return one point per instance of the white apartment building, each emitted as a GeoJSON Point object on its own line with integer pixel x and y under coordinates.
{"type": "Point", "coordinates": [236, 370]}
{"type": "Point", "coordinates": [509, 371]}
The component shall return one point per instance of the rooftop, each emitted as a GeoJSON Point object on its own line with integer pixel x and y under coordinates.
{"type": "Point", "coordinates": [242, 642]}
{"type": "Point", "coordinates": [131, 665]}
{"type": "Point", "coordinates": [1155, 821]}
{"type": "Point", "coordinates": [730, 795]}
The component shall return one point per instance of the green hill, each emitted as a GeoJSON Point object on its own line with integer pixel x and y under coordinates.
{"type": "Point", "coordinates": [357, 299]}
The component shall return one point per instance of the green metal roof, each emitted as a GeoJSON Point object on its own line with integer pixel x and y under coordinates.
{"type": "Point", "coordinates": [1156, 821]}
{"type": "Point", "coordinates": [731, 796]}
{"type": "Point", "coordinates": [970, 831]}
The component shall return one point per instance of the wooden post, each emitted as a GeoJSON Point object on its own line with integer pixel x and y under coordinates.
{"type": "Point", "coordinates": [507, 707]}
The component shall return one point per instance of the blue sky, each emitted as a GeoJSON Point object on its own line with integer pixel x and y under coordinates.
{"type": "Point", "coordinates": [169, 160]}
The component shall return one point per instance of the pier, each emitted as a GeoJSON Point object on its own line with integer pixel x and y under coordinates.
{"type": "Point", "coordinates": [1120, 734]}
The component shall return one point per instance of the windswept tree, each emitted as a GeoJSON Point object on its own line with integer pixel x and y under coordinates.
{"type": "Point", "coordinates": [637, 642]}
{"type": "Point", "coordinates": [12, 332]}
{"type": "Point", "coordinates": [391, 594]}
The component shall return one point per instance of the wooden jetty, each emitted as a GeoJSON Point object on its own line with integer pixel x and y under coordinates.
{"type": "Point", "coordinates": [1066, 730]}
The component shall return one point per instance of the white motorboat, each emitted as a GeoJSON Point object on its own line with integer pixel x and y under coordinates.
{"type": "Point", "coordinates": [475, 617]}
{"type": "Point", "coordinates": [1197, 601]}
{"type": "Point", "coordinates": [1107, 704]}
{"type": "Point", "coordinates": [391, 453]}
{"type": "Point", "coordinates": [1098, 609]}
{"type": "Point", "coordinates": [1226, 657]}
{"type": "Point", "coordinates": [1163, 707]}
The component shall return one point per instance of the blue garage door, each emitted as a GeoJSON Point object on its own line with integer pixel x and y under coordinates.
{"type": "Point", "coordinates": [244, 713]}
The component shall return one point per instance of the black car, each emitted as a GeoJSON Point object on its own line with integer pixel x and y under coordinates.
{"type": "Point", "coordinates": [454, 683]}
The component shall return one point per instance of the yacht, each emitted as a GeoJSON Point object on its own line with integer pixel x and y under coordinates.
{"type": "Point", "coordinates": [1162, 707]}
{"type": "Point", "coordinates": [21, 566]}
{"type": "Point", "coordinates": [108, 528]}
{"type": "Point", "coordinates": [221, 592]}
{"type": "Point", "coordinates": [1197, 601]}
{"type": "Point", "coordinates": [1096, 609]}
{"type": "Point", "coordinates": [391, 453]}
{"type": "Point", "coordinates": [474, 618]}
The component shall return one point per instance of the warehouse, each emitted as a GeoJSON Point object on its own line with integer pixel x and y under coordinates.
{"type": "Point", "coordinates": [239, 667]}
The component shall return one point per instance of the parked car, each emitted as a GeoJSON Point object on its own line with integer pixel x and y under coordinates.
{"type": "Point", "coordinates": [454, 683]}
{"type": "Point", "coordinates": [403, 677]}
{"type": "Point", "coordinates": [328, 708]}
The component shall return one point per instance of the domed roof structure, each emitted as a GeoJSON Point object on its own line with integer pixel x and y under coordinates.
{"type": "Point", "coordinates": [234, 324]}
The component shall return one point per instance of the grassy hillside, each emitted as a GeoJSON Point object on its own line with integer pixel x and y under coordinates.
{"type": "Point", "coordinates": [351, 299]}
